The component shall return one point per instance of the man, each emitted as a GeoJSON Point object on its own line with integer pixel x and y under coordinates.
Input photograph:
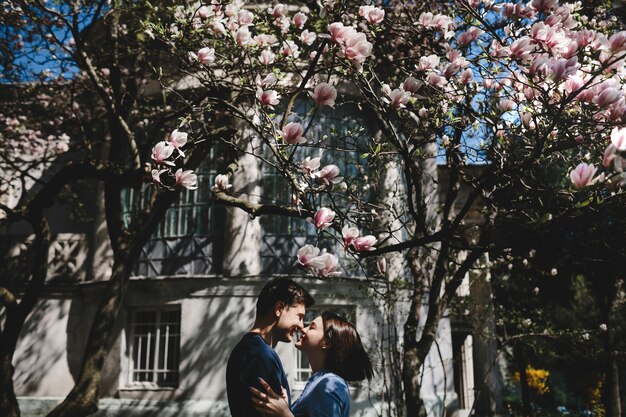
{"type": "Point", "coordinates": [280, 310]}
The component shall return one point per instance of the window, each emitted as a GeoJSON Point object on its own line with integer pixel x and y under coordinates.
{"type": "Point", "coordinates": [302, 366]}
{"type": "Point", "coordinates": [154, 354]}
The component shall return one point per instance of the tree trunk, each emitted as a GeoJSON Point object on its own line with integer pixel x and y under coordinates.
{"type": "Point", "coordinates": [8, 401]}
{"type": "Point", "coordinates": [83, 399]}
{"type": "Point", "coordinates": [521, 368]}
{"type": "Point", "coordinates": [613, 402]}
{"type": "Point", "coordinates": [16, 314]}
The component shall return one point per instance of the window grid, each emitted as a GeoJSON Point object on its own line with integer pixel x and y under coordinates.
{"type": "Point", "coordinates": [154, 348]}
{"type": "Point", "coordinates": [302, 366]}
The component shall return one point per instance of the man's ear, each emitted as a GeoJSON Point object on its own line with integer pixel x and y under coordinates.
{"type": "Point", "coordinates": [279, 306]}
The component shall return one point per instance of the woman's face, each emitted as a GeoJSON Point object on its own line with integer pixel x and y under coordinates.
{"type": "Point", "coordinates": [312, 336]}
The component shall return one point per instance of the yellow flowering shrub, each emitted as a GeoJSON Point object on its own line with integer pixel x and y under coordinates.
{"type": "Point", "coordinates": [537, 379]}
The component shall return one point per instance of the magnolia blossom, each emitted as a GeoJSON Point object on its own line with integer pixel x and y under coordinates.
{"type": "Point", "coordinates": [329, 174]}
{"type": "Point", "coordinates": [206, 56]}
{"type": "Point", "coordinates": [435, 80]}
{"type": "Point", "coordinates": [290, 49]}
{"type": "Point", "coordinates": [177, 140]}
{"type": "Point", "coordinates": [307, 37]}
{"type": "Point", "coordinates": [372, 14]}
{"type": "Point", "coordinates": [310, 165]}
{"type": "Point", "coordinates": [330, 264]}
{"type": "Point", "coordinates": [307, 257]}
{"type": "Point", "coordinates": [382, 265]}
{"type": "Point", "coordinates": [324, 94]}
{"type": "Point", "coordinates": [186, 179]}
{"type": "Point", "coordinates": [618, 138]}
{"type": "Point", "coordinates": [279, 10]}
{"type": "Point", "coordinates": [322, 218]}
{"type": "Point", "coordinates": [266, 57]}
{"type": "Point", "coordinates": [412, 85]}
{"type": "Point", "coordinates": [299, 19]}
{"type": "Point", "coordinates": [242, 36]}
{"type": "Point", "coordinates": [349, 234]}
{"type": "Point", "coordinates": [156, 175]}
{"type": "Point", "coordinates": [245, 17]}
{"type": "Point", "coordinates": [364, 243]}
{"type": "Point", "coordinates": [267, 98]}
{"type": "Point", "coordinates": [221, 183]}
{"type": "Point", "coordinates": [399, 98]}
{"type": "Point", "coordinates": [161, 151]}
{"type": "Point", "coordinates": [292, 134]}
{"type": "Point", "coordinates": [204, 12]}
{"type": "Point", "coordinates": [582, 175]}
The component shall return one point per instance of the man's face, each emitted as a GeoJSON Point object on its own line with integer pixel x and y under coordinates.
{"type": "Point", "coordinates": [290, 320]}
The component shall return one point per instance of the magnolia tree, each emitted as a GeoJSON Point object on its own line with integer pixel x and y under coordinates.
{"type": "Point", "coordinates": [510, 86]}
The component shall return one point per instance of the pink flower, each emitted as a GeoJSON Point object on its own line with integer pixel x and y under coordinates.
{"type": "Point", "coordinates": [267, 57]}
{"type": "Point", "coordinates": [466, 76]}
{"type": "Point", "coordinates": [399, 98]}
{"type": "Point", "coordinates": [279, 10]}
{"type": "Point", "coordinates": [322, 218]}
{"type": "Point", "coordinates": [338, 31]}
{"type": "Point", "coordinates": [364, 243]}
{"type": "Point", "coordinates": [435, 80]}
{"type": "Point", "coordinates": [290, 49]}
{"type": "Point", "coordinates": [349, 234]}
{"type": "Point", "coordinates": [161, 151]}
{"type": "Point", "coordinates": [299, 19]}
{"type": "Point", "coordinates": [469, 36]}
{"type": "Point", "coordinates": [267, 98]}
{"type": "Point", "coordinates": [521, 49]}
{"type": "Point", "coordinates": [307, 257]}
{"type": "Point", "coordinates": [156, 175]}
{"type": "Point", "coordinates": [177, 140]}
{"type": "Point", "coordinates": [330, 264]}
{"type": "Point", "coordinates": [206, 56]}
{"type": "Point", "coordinates": [618, 138]}
{"type": "Point", "coordinates": [324, 94]}
{"type": "Point", "coordinates": [242, 36]}
{"type": "Point", "coordinates": [372, 14]}
{"type": "Point", "coordinates": [382, 265]}
{"type": "Point", "coordinates": [292, 134]}
{"type": "Point", "coordinates": [329, 174]}
{"type": "Point", "coordinates": [308, 166]}
{"type": "Point", "coordinates": [204, 12]}
{"type": "Point", "coordinates": [221, 183]}
{"type": "Point", "coordinates": [607, 97]}
{"type": "Point", "coordinates": [186, 179]}
{"type": "Point", "coordinates": [582, 175]}
{"type": "Point", "coordinates": [355, 46]}
{"type": "Point", "coordinates": [245, 17]}
{"type": "Point", "coordinates": [618, 42]}
{"type": "Point", "coordinates": [307, 37]}
{"type": "Point", "coordinates": [609, 155]}
{"type": "Point", "coordinates": [412, 85]}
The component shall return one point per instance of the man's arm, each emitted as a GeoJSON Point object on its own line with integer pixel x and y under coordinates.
{"type": "Point", "coordinates": [261, 367]}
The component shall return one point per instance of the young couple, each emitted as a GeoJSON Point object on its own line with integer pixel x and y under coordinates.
{"type": "Point", "coordinates": [255, 380]}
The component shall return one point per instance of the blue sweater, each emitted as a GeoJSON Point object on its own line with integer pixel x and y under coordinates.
{"type": "Point", "coordinates": [250, 360]}
{"type": "Point", "coordinates": [325, 395]}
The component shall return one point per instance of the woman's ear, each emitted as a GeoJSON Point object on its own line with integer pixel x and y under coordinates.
{"type": "Point", "coordinates": [278, 308]}
{"type": "Point", "coordinates": [326, 344]}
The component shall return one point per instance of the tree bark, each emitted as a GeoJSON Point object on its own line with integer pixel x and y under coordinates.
{"type": "Point", "coordinates": [614, 405]}
{"type": "Point", "coordinates": [16, 314]}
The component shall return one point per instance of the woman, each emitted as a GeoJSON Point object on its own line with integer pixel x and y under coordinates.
{"type": "Point", "coordinates": [336, 355]}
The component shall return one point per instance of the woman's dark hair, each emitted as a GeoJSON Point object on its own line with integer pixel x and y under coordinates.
{"type": "Point", "coordinates": [284, 290]}
{"type": "Point", "coordinates": [346, 355]}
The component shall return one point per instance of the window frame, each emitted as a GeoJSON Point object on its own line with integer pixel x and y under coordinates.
{"type": "Point", "coordinates": [130, 381]}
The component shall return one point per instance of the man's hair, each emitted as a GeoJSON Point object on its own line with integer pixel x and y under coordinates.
{"type": "Point", "coordinates": [284, 290]}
